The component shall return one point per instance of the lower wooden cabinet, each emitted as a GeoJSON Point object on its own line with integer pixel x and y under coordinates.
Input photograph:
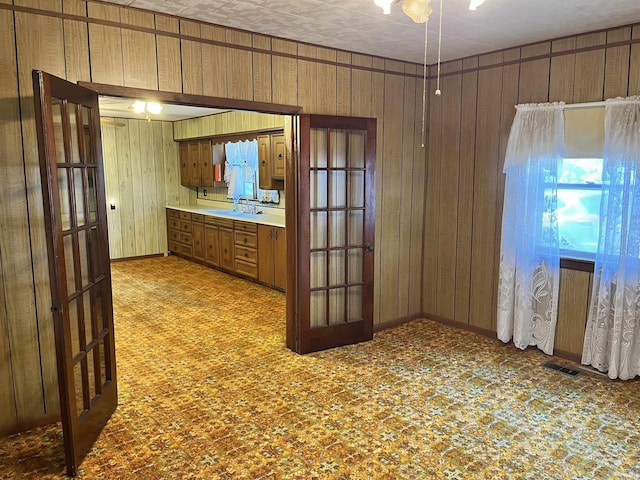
{"type": "Point", "coordinates": [244, 248]}
{"type": "Point", "coordinates": [272, 259]}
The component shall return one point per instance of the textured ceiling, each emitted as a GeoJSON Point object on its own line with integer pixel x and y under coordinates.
{"type": "Point", "coordinates": [360, 26]}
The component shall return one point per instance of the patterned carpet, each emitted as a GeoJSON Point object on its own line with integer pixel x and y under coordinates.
{"type": "Point", "coordinates": [209, 391]}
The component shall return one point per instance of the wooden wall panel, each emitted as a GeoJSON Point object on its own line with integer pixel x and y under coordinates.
{"type": "Point", "coordinates": [17, 303]}
{"type": "Point", "coordinates": [562, 74]}
{"type": "Point", "coordinates": [389, 173]}
{"type": "Point", "coordinates": [634, 64]}
{"type": "Point", "coordinates": [616, 76]}
{"type": "Point", "coordinates": [432, 208]}
{"type": "Point", "coordinates": [575, 288]}
{"type": "Point", "coordinates": [406, 277]}
{"type": "Point", "coordinates": [327, 83]}
{"type": "Point", "coordinates": [261, 69]}
{"type": "Point", "coordinates": [76, 42]}
{"type": "Point", "coordinates": [239, 66]}
{"type": "Point", "coordinates": [377, 111]}
{"type": "Point", "coordinates": [451, 88]}
{"type": "Point", "coordinates": [483, 262]}
{"type": "Point", "coordinates": [589, 82]}
{"type": "Point", "coordinates": [307, 79]}
{"type": "Point", "coordinates": [168, 55]}
{"type": "Point", "coordinates": [142, 177]}
{"type": "Point", "coordinates": [140, 68]}
{"type": "Point", "coordinates": [343, 84]}
{"type": "Point", "coordinates": [191, 58]}
{"type": "Point", "coordinates": [39, 44]}
{"type": "Point", "coordinates": [465, 190]}
{"type": "Point", "coordinates": [105, 45]}
{"type": "Point", "coordinates": [284, 73]}
{"type": "Point", "coordinates": [361, 87]}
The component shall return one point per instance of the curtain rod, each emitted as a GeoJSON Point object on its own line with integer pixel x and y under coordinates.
{"type": "Point", "coordinates": [571, 106]}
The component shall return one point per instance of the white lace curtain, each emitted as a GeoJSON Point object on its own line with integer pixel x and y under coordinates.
{"type": "Point", "coordinates": [241, 165]}
{"type": "Point", "coordinates": [612, 336]}
{"type": "Point", "coordinates": [529, 255]}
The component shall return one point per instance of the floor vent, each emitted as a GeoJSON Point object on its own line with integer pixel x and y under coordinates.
{"type": "Point", "coordinates": [560, 368]}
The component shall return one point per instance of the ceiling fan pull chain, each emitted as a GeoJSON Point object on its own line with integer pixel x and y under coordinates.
{"type": "Point", "coordinates": [438, 92]}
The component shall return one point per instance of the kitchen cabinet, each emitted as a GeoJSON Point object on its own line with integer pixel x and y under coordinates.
{"type": "Point", "coordinates": [196, 163]}
{"type": "Point", "coordinates": [179, 233]}
{"type": "Point", "coordinates": [272, 249]}
{"type": "Point", "coordinates": [272, 155]}
{"type": "Point", "coordinates": [227, 252]}
{"type": "Point", "coordinates": [246, 248]}
{"type": "Point", "coordinates": [197, 237]}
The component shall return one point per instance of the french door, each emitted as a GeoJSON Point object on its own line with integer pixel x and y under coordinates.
{"type": "Point", "coordinates": [330, 233]}
{"type": "Point", "coordinates": [72, 175]}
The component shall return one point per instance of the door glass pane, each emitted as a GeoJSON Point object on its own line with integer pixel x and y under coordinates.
{"type": "Point", "coordinates": [337, 230]}
{"type": "Point", "coordinates": [338, 145]}
{"type": "Point", "coordinates": [318, 189]}
{"type": "Point", "coordinates": [68, 263]}
{"type": "Point", "coordinates": [92, 194]}
{"type": "Point", "coordinates": [356, 189]}
{"type": "Point", "coordinates": [318, 273]}
{"type": "Point", "coordinates": [356, 227]}
{"type": "Point", "coordinates": [318, 309]}
{"type": "Point", "coordinates": [88, 328]}
{"type": "Point", "coordinates": [79, 195]}
{"type": "Point", "coordinates": [83, 257]}
{"type": "Point", "coordinates": [92, 374]}
{"type": "Point", "coordinates": [56, 110]}
{"type": "Point", "coordinates": [65, 201]}
{"type": "Point", "coordinates": [354, 304]}
{"type": "Point", "coordinates": [318, 230]}
{"type": "Point", "coordinates": [73, 323]}
{"type": "Point", "coordinates": [356, 148]}
{"type": "Point", "coordinates": [74, 154]}
{"type": "Point", "coordinates": [336, 306]}
{"type": "Point", "coordinates": [77, 383]}
{"type": "Point", "coordinates": [88, 144]}
{"type": "Point", "coordinates": [318, 148]}
{"type": "Point", "coordinates": [336, 267]}
{"type": "Point", "coordinates": [338, 189]}
{"type": "Point", "coordinates": [103, 364]}
{"type": "Point", "coordinates": [355, 265]}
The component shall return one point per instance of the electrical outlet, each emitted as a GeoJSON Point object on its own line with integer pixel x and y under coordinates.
{"type": "Point", "coordinates": [204, 192]}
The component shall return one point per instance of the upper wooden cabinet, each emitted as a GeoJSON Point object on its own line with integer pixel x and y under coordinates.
{"type": "Point", "coordinates": [272, 157]}
{"type": "Point", "coordinates": [196, 163]}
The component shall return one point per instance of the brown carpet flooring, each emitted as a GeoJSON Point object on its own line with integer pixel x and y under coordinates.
{"type": "Point", "coordinates": [209, 391]}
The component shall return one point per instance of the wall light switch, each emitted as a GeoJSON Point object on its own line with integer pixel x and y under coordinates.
{"type": "Point", "coordinates": [204, 192]}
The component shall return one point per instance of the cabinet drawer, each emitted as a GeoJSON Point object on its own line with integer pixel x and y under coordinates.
{"type": "Point", "coordinates": [219, 222]}
{"type": "Point", "coordinates": [185, 215]}
{"type": "Point", "coordinates": [174, 222]}
{"type": "Point", "coordinates": [246, 239]}
{"type": "Point", "coordinates": [247, 269]}
{"type": "Point", "coordinates": [197, 217]}
{"type": "Point", "coordinates": [173, 213]}
{"type": "Point", "coordinates": [174, 246]}
{"type": "Point", "coordinates": [174, 235]}
{"type": "Point", "coordinates": [246, 254]}
{"type": "Point", "coordinates": [246, 227]}
{"type": "Point", "coordinates": [185, 227]}
{"type": "Point", "coordinates": [185, 238]}
{"type": "Point", "coordinates": [185, 250]}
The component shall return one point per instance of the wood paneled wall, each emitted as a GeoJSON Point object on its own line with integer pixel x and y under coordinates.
{"type": "Point", "coordinates": [142, 176]}
{"type": "Point", "coordinates": [468, 131]}
{"type": "Point", "coordinates": [90, 41]}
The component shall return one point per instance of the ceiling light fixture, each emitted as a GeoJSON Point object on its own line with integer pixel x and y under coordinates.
{"type": "Point", "coordinates": [474, 4]}
{"type": "Point", "coordinates": [385, 5]}
{"type": "Point", "coordinates": [140, 106]}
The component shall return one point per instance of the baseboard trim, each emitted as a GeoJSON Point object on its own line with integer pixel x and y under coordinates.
{"type": "Point", "coordinates": [397, 322]}
{"type": "Point", "coordinates": [29, 425]}
{"type": "Point", "coordinates": [139, 257]}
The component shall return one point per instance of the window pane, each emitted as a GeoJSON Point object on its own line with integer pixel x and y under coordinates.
{"type": "Point", "coordinates": [579, 195]}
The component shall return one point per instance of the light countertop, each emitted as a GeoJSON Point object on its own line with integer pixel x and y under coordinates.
{"type": "Point", "coordinates": [261, 218]}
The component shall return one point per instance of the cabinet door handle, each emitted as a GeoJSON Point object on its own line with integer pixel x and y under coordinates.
{"type": "Point", "coordinates": [246, 254]}
{"type": "Point", "coordinates": [280, 156]}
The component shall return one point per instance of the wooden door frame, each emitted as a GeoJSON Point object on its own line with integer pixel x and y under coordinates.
{"type": "Point", "coordinates": [291, 170]}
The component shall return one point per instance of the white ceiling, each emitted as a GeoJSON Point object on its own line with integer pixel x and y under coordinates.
{"type": "Point", "coordinates": [116, 107]}
{"type": "Point", "coordinates": [360, 26]}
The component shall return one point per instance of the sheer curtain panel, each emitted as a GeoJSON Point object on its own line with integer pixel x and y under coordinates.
{"type": "Point", "coordinates": [529, 255]}
{"type": "Point", "coordinates": [612, 335]}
